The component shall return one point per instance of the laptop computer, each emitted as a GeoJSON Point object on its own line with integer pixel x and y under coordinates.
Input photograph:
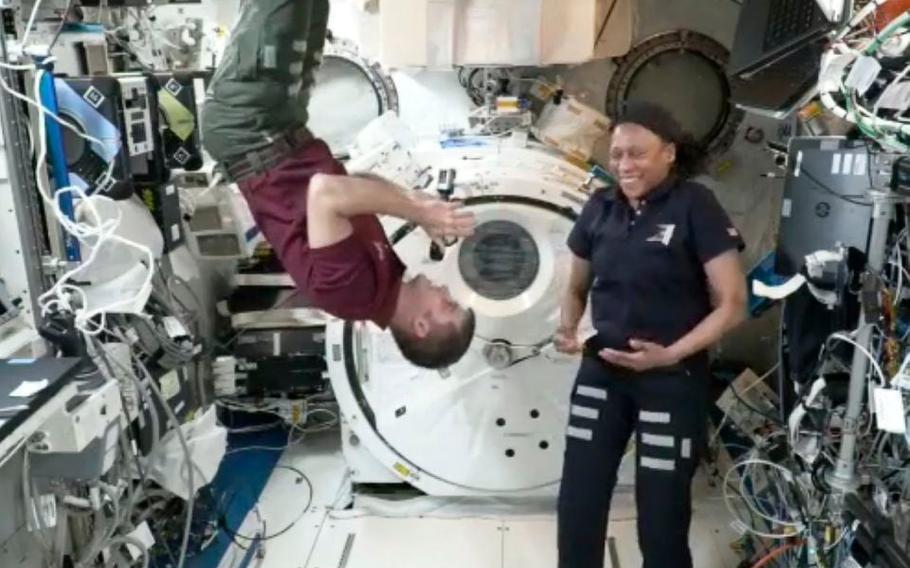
{"type": "Point", "coordinates": [15, 410]}
{"type": "Point", "coordinates": [777, 50]}
{"type": "Point", "coordinates": [812, 217]}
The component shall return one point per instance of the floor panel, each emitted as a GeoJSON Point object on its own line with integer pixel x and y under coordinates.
{"type": "Point", "coordinates": [437, 532]}
{"type": "Point", "coordinates": [408, 543]}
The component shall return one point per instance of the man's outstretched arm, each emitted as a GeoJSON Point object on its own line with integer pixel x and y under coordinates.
{"type": "Point", "coordinates": [333, 199]}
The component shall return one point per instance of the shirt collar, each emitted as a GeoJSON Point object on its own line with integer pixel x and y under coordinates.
{"type": "Point", "coordinates": [657, 194]}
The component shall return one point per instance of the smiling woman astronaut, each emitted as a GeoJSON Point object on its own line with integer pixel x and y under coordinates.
{"type": "Point", "coordinates": [659, 257]}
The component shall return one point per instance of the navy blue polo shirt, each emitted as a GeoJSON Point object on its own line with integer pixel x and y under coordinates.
{"type": "Point", "coordinates": [647, 263]}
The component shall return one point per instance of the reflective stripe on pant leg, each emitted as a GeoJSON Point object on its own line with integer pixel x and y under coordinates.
{"type": "Point", "coordinates": [580, 433]}
{"type": "Point", "coordinates": [658, 440]}
{"type": "Point", "coordinates": [584, 412]}
{"type": "Point", "coordinates": [654, 417]}
{"type": "Point", "coordinates": [592, 392]}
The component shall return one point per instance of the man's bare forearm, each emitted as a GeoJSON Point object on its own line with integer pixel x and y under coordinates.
{"type": "Point", "coordinates": [348, 196]}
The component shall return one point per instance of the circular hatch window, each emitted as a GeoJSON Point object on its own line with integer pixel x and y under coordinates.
{"type": "Point", "coordinates": [684, 72]}
{"type": "Point", "coordinates": [349, 92]}
{"type": "Point", "coordinates": [500, 261]}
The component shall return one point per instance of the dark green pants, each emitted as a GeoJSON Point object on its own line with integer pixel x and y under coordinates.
{"type": "Point", "coordinates": [261, 88]}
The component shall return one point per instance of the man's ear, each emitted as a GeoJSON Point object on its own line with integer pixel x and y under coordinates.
{"type": "Point", "coordinates": [421, 327]}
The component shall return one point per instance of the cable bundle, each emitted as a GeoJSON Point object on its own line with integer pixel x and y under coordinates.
{"type": "Point", "coordinates": [860, 70]}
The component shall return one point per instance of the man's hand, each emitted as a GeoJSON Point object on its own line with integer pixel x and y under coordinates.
{"type": "Point", "coordinates": [645, 355]}
{"type": "Point", "coordinates": [566, 341]}
{"type": "Point", "coordinates": [444, 219]}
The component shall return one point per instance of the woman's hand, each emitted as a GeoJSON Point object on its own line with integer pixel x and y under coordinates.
{"type": "Point", "coordinates": [566, 341]}
{"type": "Point", "coordinates": [644, 356]}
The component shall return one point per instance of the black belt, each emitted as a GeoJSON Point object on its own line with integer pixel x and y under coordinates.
{"type": "Point", "coordinates": [258, 161]}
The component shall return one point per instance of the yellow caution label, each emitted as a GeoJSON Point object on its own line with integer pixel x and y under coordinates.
{"type": "Point", "coordinates": [810, 111]}
{"type": "Point", "coordinates": [723, 167]}
{"type": "Point", "coordinates": [576, 159]}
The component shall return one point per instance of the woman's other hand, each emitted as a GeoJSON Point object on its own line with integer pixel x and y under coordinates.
{"type": "Point", "coordinates": [566, 341]}
{"type": "Point", "coordinates": [644, 356]}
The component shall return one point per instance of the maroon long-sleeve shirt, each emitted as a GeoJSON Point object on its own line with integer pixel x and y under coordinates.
{"type": "Point", "coordinates": [358, 278]}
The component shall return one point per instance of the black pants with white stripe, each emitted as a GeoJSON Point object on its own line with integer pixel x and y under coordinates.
{"type": "Point", "coordinates": [666, 410]}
